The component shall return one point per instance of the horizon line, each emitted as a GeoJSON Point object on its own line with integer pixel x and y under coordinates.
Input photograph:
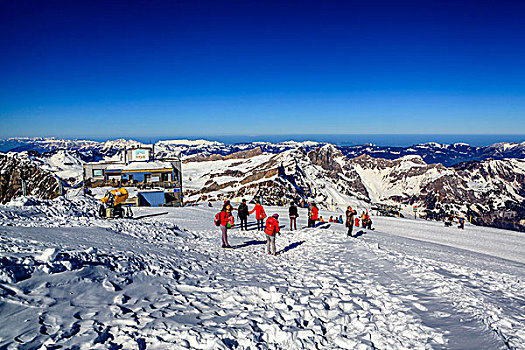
{"type": "Point", "coordinates": [177, 137]}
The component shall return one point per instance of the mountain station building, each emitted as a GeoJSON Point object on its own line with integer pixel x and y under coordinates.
{"type": "Point", "coordinates": [159, 181]}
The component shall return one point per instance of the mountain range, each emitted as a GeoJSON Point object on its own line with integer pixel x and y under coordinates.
{"type": "Point", "coordinates": [485, 184]}
{"type": "Point", "coordinates": [432, 153]}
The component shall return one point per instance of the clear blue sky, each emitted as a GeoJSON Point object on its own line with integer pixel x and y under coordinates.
{"type": "Point", "coordinates": [192, 68]}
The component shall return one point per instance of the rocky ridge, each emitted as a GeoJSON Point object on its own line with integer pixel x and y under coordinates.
{"type": "Point", "coordinates": [16, 173]}
{"type": "Point", "coordinates": [479, 189]}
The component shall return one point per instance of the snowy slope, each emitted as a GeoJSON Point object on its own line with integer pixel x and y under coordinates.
{"type": "Point", "coordinates": [325, 176]}
{"type": "Point", "coordinates": [290, 175]}
{"type": "Point", "coordinates": [72, 280]}
{"type": "Point", "coordinates": [63, 163]}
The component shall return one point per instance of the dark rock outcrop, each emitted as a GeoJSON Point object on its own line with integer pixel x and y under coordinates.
{"type": "Point", "coordinates": [14, 172]}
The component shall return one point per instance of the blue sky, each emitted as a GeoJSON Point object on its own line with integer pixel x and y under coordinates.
{"type": "Point", "coordinates": [191, 68]}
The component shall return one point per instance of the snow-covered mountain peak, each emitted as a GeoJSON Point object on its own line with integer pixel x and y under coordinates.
{"type": "Point", "coordinates": [192, 143]}
{"type": "Point", "coordinates": [122, 143]}
{"type": "Point", "coordinates": [365, 161]}
{"type": "Point", "coordinates": [415, 159]}
{"type": "Point", "coordinates": [64, 158]}
{"type": "Point", "coordinates": [507, 147]}
{"type": "Point", "coordinates": [301, 143]}
{"type": "Point", "coordinates": [432, 144]}
{"type": "Point", "coordinates": [329, 148]}
{"type": "Point", "coordinates": [328, 157]}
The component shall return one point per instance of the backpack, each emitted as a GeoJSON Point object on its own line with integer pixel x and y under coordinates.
{"type": "Point", "coordinates": [271, 227]}
{"type": "Point", "coordinates": [217, 220]}
{"type": "Point", "coordinates": [231, 222]}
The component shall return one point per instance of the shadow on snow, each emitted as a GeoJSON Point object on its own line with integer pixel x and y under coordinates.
{"type": "Point", "coordinates": [359, 233]}
{"type": "Point", "coordinates": [249, 243]}
{"type": "Point", "coordinates": [291, 246]}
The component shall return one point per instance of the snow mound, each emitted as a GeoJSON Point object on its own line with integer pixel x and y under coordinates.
{"type": "Point", "coordinates": [59, 210]}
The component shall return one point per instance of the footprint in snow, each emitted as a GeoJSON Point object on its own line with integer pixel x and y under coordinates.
{"type": "Point", "coordinates": [121, 299]}
{"type": "Point", "coordinates": [26, 337]}
{"type": "Point", "coordinates": [110, 286]}
{"type": "Point", "coordinates": [419, 306]}
{"type": "Point", "coordinates": [74, 330]}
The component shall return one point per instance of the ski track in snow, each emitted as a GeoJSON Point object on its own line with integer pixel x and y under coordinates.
{"type": "Point", "coordinates": [70, 279]}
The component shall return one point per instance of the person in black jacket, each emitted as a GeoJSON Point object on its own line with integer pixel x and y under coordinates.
{"type": "Point", "coordinates": [292, 211]}
{"type": "Point", "coordinates": [350, 220]}
{"type": "Point", "coordinates": [243, 213]}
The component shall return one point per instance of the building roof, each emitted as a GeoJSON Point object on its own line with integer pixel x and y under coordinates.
{"type": "Point", "coordinates": [114, 163]}
{"type": "Point", "coordinates": [140, 166]}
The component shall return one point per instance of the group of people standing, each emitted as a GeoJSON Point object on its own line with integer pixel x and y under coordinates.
{"type": "Point", "coordinates": [271, 227]}
{"type": "Point", "coordinates": [223, 218]}
{"type": "Point", "coordinates": [243, 212]}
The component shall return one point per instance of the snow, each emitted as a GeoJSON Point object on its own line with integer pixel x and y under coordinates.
{"type": "Point", "coordinates": [64, 165]}
{"type": "Point", "coordinates": [48, 255]}
{"type": "Point", "coordinates": [197, 174]}
{"type": "Point", "coordinates": [147, 165]}
{"type": "Point", "coordinates": [432, 144]}
{"type": "Point", "coordinates": [69, 279]}
{"type": "Point", "coordinates": [410, 161]}
{"type": "Point", "coordinates": [510, 245]}
{"type": "Point", "coordinates": [122, 143]}
{"type": "Point", "coordinates": [301, 144]}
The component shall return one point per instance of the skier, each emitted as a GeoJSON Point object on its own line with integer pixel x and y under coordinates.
{"type": "Point", "coordinates": [243, 212]}
{"type": "Point", "coordinates": [461, 222]}
{"type": "Point", "coordinates": [292, 211]}
{"type": "Point", "coordinates": [356, 222]}
{"type": "Point", "coordinates": [340, 220]}
{"type": "Point", "coordinates": [271, 230]}
{"type": "Point", "coordinates": [350, 220]}
{"type": "Point", "coordinates": [313, 213]}
{"type": "Point", "coordinates": [259, 215]}
{"type": "Point", "coordinates": [225, 214]}
{"type": "Point", "coordinates": [331, 219]}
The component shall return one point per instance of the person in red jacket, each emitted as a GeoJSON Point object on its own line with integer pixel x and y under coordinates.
{"type": "Point", "coordinates": [271, 230]}
{"type": "Point", "coordinates": [225, 215]}
{"type": "Point", "coordinates": [313, 215]}
{"type": "Point", "coordinates": [259, 215]}
{"type": "Point", "coordinates": [366, 222]}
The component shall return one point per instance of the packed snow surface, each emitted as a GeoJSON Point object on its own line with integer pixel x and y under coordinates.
{"type": "Point", "coordinates": [69, 279]}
